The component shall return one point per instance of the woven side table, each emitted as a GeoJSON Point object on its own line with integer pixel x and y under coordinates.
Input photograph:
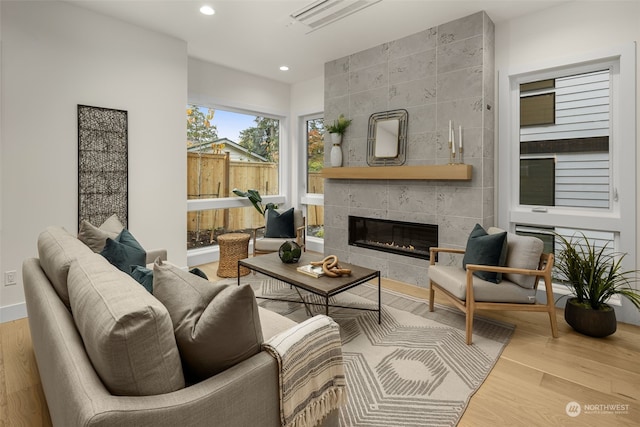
{"type": "Point", "coordinates": [233, 247]}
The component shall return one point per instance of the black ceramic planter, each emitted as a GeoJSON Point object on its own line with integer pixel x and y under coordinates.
{"type": "Point", "coordinates": [595, 323]}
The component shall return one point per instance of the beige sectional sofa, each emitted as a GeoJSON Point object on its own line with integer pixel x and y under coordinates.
{"type": "Point", "coordinates": [132, 380]}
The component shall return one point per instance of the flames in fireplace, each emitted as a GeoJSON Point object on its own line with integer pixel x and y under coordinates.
{"type": "Point", "coordinates": [392, 245]}
{"type": "Point", "coordinates": [403, 238]}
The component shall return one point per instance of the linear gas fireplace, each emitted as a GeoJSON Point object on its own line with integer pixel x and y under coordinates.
{"type": "Point", "coordinates": [403, 238]}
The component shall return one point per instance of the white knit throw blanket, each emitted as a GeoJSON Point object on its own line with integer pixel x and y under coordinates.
{"type": "Point", "coordinates": [312, 381]}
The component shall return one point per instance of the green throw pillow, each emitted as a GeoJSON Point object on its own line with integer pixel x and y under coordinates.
{"type": "Point", "coordinates": [124, 251]}
{"type": "Point", "coordinates": [486, 249]}
{"type": "Point", "coordinates": [144, 276]}
{"type": "Point", "coordinates": [280, 225]}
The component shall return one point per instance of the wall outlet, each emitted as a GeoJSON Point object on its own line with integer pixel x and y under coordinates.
{"type": "Point", "coordinates": [10, 277]}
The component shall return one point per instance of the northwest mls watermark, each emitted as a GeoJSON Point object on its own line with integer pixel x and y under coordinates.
{"type": "Point", "coordinates": [573, 409]}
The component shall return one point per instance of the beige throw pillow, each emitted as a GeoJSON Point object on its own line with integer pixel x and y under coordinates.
{"type": "Point", "coordinates": [523, 252]}
{"type": "Point", "coordinates": [57, 248]}
{"type": "Point", "coordinates": [127, 333]}
{"type": "Point", "coordinates": [96, 237]}
{"type": "Point", "coordinates": [216, 326]}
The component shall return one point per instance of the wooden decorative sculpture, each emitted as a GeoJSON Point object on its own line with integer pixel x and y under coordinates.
{"type": "Point", "coordinates": [331, 267]}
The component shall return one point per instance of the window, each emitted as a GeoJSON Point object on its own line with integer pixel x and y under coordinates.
{"type": "Point", "coordinates": [564, 141]}
{"type": "Point", "coordinates": [567, 137]}
{"type": "Point", "coordinates": [314, 197]}
{"type": "Point", "coordinates": [227, 150]}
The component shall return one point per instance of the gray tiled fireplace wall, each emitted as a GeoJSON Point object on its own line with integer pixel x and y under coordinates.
{"type": "Point", "coordinates": [440, 74]}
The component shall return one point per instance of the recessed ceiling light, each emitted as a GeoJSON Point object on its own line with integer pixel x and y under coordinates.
{"type": "Point", "coordinates": [284, 68]}
{"type": "Point", "coordinates": [207, 10]}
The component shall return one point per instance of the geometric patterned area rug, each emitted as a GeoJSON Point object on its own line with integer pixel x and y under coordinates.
{"type": "Point", "coordinates": [414, 369]}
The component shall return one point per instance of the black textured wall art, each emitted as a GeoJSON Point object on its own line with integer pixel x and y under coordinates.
{"type": "Point", "coordinates": [102, 164]}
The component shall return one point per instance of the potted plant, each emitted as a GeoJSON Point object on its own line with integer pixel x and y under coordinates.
{"type": "Point", "coordinates": [593, 275]}
{"type": "Point", "coordinates": [337, 129]}
{"type": "Point", "coordinates": [255, 199]}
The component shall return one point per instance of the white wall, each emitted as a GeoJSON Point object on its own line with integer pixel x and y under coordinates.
{"type": "Point", "coordinates": [225, 87]}
{"type": "Point", "coordinates": [55, 56]}
{"type": "Point", "coordinates": [306, 98]}
{"type": "Point", "coordinates": [218, 86]}
{"type": "Point", "coordinates": [1, 103]}
{"type": "Point", "coordinates": [570, 30]}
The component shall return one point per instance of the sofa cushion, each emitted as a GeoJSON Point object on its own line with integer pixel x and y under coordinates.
{"type": "Point", "coordinates": [96, 237]}
{"type": "Point", "coordinates": [523, 252]}
{"type": "Point", "coordinates": [144, 275]}
{"type": "Point", "coordinates": [273, 323]}
{"type": "Point", "coordinates": [454, 280]}
{"type": "Point", "coordinates": [124, 251]}
{"type": "Point", "coordinates": [127, 333]}
{"type": "Point", "coordinates": [56, 249]}
{"type": "Point", "coordinates": [486, 249]}
{"type": "Point", "coordinates": [279, 224]}
{"type": "Point", "coordinates": [270, 245]}
{"type": "Point", "coordinates": [216, 326]}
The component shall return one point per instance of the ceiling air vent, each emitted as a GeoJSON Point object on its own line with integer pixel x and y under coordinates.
{"type": "Point", "coordinates": [324, 12]}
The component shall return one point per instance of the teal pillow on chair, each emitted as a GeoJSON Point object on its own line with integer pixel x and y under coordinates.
{"type": "Point", "coordinates": [486, 249]}
{"type": "Point", "coordinates": [280, 225]}
{"type": "Point", "coordinates": [124, 251]}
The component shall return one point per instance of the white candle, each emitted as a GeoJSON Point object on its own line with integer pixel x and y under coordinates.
{"type": "Point", "coordinates": [460, 136]}
{"type": "Point", "coordinates": [450, 131]}
{"type": "Point", "coordinates": [453, 142]}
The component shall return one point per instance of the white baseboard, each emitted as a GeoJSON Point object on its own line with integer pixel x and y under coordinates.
{"type": "Point", "coordinates": [202, 256]}
{"type": "Point", "coordinates": [13, 312]}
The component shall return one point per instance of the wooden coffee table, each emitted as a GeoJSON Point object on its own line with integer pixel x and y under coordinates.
{"type": "Point", "coordinates": [326, 287]}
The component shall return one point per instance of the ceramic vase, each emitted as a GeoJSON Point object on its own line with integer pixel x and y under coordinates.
{"type": "Point", "coordinates": [336, 156]}
{"type": "Point", "coordinates": [336, 150]}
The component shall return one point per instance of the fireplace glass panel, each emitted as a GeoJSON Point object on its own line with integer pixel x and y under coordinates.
{"type": "Point", "coordinates": [403, 238]}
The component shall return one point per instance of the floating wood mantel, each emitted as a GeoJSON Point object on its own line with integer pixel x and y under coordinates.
{"type": "Point", "coordinates": [456, 172]}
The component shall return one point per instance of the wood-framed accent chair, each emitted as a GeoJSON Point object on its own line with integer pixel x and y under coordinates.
{"type": "Point", "coordinates": [264, 245]}
{"type": "Point", "coordinates": [469, 293]}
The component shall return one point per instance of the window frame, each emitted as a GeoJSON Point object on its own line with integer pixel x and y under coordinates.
{"type": "Point", "coordinates": [208, 254]}
{"type": "Point", "coordinates": [307, 199]}
{"type": "Point", "coordinates": [620, 218]}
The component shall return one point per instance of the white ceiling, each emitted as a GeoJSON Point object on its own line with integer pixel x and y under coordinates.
{"type": "Point", "coordinates": [257, 36]}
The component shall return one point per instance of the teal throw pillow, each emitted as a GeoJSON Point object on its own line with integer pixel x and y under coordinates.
{"type": "Point", "coordinates": [144, 276]}
{"type": "Point", "coordinates": [280, 225]}
{"type": "Point", "coordinates": [124, 251]}
{"type": "Point", "coordinates": [486, 249]}
{"type": "Point", "coordinates": [198, 272]}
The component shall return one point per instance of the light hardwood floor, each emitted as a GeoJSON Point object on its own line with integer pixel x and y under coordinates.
{"type": "Point", "coordinates": [532, 383]}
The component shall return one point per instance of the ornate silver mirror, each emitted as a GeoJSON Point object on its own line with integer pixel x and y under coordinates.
{"type": "Point", "coordinates": [387, 138]}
